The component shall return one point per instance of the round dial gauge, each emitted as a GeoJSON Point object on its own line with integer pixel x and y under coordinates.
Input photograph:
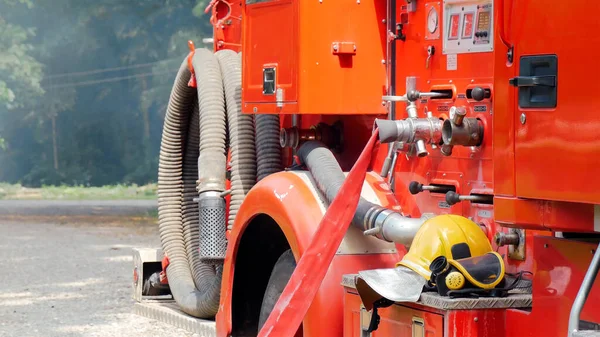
{"type": "Point", "coordinates": [432, 20]}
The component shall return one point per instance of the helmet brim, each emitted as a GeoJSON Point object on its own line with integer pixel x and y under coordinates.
{"type": "Point", "coordinates": [399, 284]}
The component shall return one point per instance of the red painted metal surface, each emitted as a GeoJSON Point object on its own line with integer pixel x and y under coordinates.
{"type": "Point", "coordinates": [524, 151]}
{"type": "Point", "coordinates": [400, 320]}
{"type": "Point", "coordinates": [469, 169]}
{"type": "Point", "coordinates": [395, 321]}
{"type": "Point", "coordinates": [544, 215]}
{"type": "Point", "coordinates": [560, 266]}
{"type": "Point", "coordinates": [503, 119]}
{"type": "Point", "coordinates": [226, 18]}
{"type": "Point", "coordinates": [569, 131]}
{"type": "Point", "coordinates": [296, 298]}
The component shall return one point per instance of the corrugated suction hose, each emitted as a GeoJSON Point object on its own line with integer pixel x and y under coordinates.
{"type": "Point", "coordinates": [192, 165]}
{"type": "Point", "coordinates": [194, 285]}
{"type": "Point", "coordinates": [268, 148]}
{"type": "Point", "coordinates": [212, 160]}
{"type": "Point", "coordinates": [241, 133]}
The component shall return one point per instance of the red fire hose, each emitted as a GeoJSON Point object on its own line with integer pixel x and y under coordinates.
{"type": "Point", "coordinates": [290, 309]}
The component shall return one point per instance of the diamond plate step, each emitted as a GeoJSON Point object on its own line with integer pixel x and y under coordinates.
{"type": "Point", "coordinates": [586, 333]}
{"type": "Point", "coordinates": [168, 312]}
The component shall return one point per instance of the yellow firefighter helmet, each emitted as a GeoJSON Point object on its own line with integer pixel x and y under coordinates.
{"type": "Point", "coordinates": [452, 236]}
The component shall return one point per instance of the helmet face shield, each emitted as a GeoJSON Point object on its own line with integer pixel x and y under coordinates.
{"type": "Point", "coordinates": [399, 284]}
{"type": "Point", "coordinates": [484, 271]}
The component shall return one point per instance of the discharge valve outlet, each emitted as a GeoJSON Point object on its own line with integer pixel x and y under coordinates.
{"type": "Point", "coordinates": [460, 130]}
{"type": "Point", "coordinates": [412, 130]}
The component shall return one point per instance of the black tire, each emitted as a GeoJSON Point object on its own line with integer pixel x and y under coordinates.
{"type": "Point", "coordinates": [282, 271]}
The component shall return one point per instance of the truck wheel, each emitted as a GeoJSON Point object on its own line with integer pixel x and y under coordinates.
{"type": "Point", "coordinates": [284, 267]}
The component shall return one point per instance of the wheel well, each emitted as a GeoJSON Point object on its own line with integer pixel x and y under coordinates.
{"type": "Point", "coordinates": [261, 245]}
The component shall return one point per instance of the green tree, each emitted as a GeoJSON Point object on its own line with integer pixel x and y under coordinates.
{"type": "Point", "coordinates": [94, 115]}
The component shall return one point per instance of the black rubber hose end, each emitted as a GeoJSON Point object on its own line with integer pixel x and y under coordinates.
{"type": "Point", "coordinates": [388, 131]}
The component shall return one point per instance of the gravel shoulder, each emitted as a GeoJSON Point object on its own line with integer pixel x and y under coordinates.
{"type": "Point", "coordinates": [63, 279]}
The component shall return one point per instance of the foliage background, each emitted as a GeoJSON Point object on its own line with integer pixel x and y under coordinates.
{"type": "Point", "coordinates": [84, 86]}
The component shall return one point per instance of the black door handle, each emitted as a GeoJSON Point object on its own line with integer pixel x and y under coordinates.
{"type": "Point", "coordinates": [533, 81]}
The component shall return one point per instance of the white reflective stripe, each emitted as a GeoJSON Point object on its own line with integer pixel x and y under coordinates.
{"type": "Point", "coordinates": [310, 183]}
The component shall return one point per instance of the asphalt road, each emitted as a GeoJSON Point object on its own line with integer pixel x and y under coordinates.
{"type": "Point", "coordinates": [76, 207]}
{"type": "Point", "coordinates": [72, 279]}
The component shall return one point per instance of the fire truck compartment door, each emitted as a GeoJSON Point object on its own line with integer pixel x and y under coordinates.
{"type": "Point", "coordinates": [556, 100]}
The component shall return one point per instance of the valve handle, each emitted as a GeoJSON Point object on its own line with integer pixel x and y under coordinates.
{"type": "Point", "coordinates": [412, 96]}
{"type": "Point", "coordinates": [415, 187]}
{"type": "Point", "coordinates": [452, 198]}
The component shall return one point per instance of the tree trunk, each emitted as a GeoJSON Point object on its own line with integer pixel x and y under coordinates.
{"type": "Point", "coordinates": [54, 143]}
{"type": "Point", "coordinates": [146, 118]}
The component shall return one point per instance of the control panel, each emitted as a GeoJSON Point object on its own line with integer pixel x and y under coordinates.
{"type": "Point", "coordinates": [468, 26]}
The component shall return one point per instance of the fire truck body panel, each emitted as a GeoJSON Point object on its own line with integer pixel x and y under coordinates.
{"type": "Point", "coordinates": [293, 65]}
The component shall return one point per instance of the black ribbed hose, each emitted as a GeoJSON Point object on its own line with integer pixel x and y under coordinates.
{"type": "Point", "coordinates": [375, 220]}
{"type": "Point", "coordinates": [268, 148]}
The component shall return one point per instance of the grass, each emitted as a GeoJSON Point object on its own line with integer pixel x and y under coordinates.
{"type": "Point", "coordinates": [113, 192]}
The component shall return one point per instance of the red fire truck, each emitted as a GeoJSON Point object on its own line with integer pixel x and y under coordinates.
{"type": "Point", "coordinates": [385, 168]}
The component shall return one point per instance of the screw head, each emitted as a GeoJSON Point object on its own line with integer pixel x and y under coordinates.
{"type": "Point", "coordinates": [335, 47]}
{"type": "Point", "coordinates": [523, 118]}
{"type": "Point", "coordinates": [382, 61]}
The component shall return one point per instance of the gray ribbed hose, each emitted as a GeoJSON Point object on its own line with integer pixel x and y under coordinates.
{"type": "Point", "coordinates": [241, 133]}
{"type": "Point", "coordinates": [197, 295]}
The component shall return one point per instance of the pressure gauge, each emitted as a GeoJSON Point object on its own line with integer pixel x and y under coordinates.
{"type": "Point", "coordinates": [432, 20]}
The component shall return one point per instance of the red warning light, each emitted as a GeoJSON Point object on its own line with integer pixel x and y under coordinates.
{"type": "Point", "coordinates": [467, 31]}
{"type": "Point", "coordinates": [454, 25]}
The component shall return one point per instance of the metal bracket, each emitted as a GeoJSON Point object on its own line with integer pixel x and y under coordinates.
{"type": "Point", "coordinates": [343, 48]}
{"type": "Point", "coordinates": [517, 252]}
